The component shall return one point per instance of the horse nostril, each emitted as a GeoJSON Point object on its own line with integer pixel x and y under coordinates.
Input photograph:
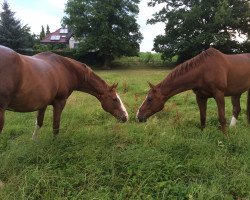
{"type": "Point", "coordinates": [124, 118]}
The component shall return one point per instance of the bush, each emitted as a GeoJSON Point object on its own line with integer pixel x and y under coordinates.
{"type": "Point", "coordinates": [90, 58]}
{"type": "Point", "coordinates": [144, 59]}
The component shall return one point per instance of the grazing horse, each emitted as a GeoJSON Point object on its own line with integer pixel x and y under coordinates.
{"type": "Point", "coordinates": [31, 83]}
{"type": "Point", "coordinates": [209, 74]}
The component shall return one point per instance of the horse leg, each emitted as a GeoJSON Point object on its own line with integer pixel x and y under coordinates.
{"type": "Point", "coordinates": [58, 107]}
{"type": "Point", "coordinates": [2, 111]}
{"type": "Point", "coordinates": [220, 100]}
{"type": "Point", "coordinates": [236, 109]}
{"type": "Point", "coordinates": [3, 106]}
{"type": "Point", "coordinates": [202, 103]}
{"type": "Point", "coordinates": [39, 122]}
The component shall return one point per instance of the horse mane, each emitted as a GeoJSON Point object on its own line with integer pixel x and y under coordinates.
{"type": "Point", "coordinates": [192, 63]}
{"type": "Point", "coordinates": [87, 71]}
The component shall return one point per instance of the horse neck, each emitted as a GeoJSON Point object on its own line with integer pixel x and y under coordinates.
{"type": "Point", "coordinates": [86, 80]}
{"type": "Point", "coordinates": [172, 86]}
{"type": "Point", "coordinates": [93, 85]}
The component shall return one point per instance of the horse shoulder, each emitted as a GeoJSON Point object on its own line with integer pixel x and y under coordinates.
{"type": "Point", "coordinates": [65, 75]}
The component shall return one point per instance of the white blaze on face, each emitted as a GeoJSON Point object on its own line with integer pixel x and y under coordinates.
{"type": "Point", "coordinates": [122, 106]}
{"type": "Point", "coordinates": [233, 121]}
{"type": "Point", "coordinates": [140, 107]}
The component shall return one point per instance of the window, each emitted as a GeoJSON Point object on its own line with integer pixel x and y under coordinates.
{"type": "Point", "coordinates": [63, 30]}
{"type": "Point", "coordinates": [55, 37]}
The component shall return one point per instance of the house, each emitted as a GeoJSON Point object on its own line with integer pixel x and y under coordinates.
{"type": "Point", "coordinates": [60, 36]}
{"type": "Point", "coordinates": [73, 43]}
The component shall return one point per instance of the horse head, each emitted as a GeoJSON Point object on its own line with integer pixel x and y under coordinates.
{"type": "Point", "coordinates": [153, 103]}
{"type": "Point", "coordinates": [111, 102]}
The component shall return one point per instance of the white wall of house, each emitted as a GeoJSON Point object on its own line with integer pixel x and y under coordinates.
{"type": "Point", "coordinates": [73, 43]}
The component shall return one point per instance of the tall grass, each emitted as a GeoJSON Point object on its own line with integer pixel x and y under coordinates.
{"type": "Point", "coordinates": [95, 157]}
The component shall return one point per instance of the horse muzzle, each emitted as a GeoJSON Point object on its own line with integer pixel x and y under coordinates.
{"type": "Point", "coordinates": [141, 119]}
{"type": "Point", "coordinates": [123, 118]}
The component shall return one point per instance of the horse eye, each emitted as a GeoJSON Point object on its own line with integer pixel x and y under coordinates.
{"type": "Point", "coordinates": [149, 99]}
{"type": "Point", "coordinates": [115, 99]}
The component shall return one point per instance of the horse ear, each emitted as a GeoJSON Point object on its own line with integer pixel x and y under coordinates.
{"type": "Point", "coordinates": [114, 86]}
{"type": "Point", "coordinates": [151, 85]}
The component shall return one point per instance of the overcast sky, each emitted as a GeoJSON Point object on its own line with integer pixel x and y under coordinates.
{"type": "Point", "coordinates": [36, 13]}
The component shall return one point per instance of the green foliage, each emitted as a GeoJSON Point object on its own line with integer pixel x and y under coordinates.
{"type": "Point", "coordinates": [42, 48]}
{"type": "Point", "coordinates": [95, 157]}
{"type": "Point", "coordinates": [193, 26]}
{"type": "Point", "coordinates": [42, 33]}
{"type": "Point", "coordinates": [107, 26]}
{"type": "Point", "coordinates": [50, 47]}
{"type": "Point", "coordinates": [47, 30]}
{"type": "Point", "coordinates": [145, 57]}
{"type": "Point", "coordinates": [143, 60]}
{"type": "Point", "coordinates": [12, 33]}
{"type": "Point", "coordinates": [90, 58]}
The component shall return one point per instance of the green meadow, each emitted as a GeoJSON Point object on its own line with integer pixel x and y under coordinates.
{"type": "Point", "coordinates": [96, 157]}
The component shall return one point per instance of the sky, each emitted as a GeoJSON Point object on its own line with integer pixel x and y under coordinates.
{"type": "Point", "coordinates": [36, 13]}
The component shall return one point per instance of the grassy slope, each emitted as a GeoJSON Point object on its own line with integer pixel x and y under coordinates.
{"type": "Point", "coordinates": [95, 157]}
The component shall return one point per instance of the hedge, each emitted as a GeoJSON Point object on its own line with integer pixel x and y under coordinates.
{"type": "Point", "coordinates": [90, 58]}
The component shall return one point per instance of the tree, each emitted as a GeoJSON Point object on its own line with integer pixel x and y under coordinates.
{"type": "Point", "coordinates": [106, 26]}
{"type": "Point", "coordinates": [47, 30]}
{"type": "Point", "coordinates": [42, 33]}
{"type": "Point", "coordinates": [12, 33]}
{"type": "Point", "coordinates": [194, 25]}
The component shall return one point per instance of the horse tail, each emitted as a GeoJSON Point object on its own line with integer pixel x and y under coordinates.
{"type": "Point", "coordinates": [248, 106]}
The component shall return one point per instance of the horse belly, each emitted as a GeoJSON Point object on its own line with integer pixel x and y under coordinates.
{"type": "Point", "coordinates": [238, 85]}
{"type": "Point", "coordinates": [30, 101]}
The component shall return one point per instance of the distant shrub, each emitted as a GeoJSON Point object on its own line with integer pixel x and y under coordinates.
{"type": "Point", "coordinates": [144, 59]}
{"type": "Point", "coordinates": [90, 58]}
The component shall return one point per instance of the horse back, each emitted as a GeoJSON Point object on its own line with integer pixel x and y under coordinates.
{"type": "Point", "coordinates": [228, 73]}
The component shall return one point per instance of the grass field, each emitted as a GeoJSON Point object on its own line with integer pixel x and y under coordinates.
{"type": "Point", "coordinates": [144, 59]}
{"type": "Point", "coordinates": [95, 157]}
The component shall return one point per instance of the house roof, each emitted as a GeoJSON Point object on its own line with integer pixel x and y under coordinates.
{"type": "Point", "coordinates": [62, 35]}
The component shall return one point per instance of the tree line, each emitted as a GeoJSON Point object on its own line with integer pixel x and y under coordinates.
{"type": "Point", "coordinates": [192, 26]}
{"type": "Point", "coordinates": [12, 33]}
{"type": "Point", "coordinates": [110, 27]}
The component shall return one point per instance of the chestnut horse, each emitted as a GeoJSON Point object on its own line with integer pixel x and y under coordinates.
{"type": "Point", "coordinates": [209, 74]}
{"type": "Point", "coordinates": [31, 83]}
